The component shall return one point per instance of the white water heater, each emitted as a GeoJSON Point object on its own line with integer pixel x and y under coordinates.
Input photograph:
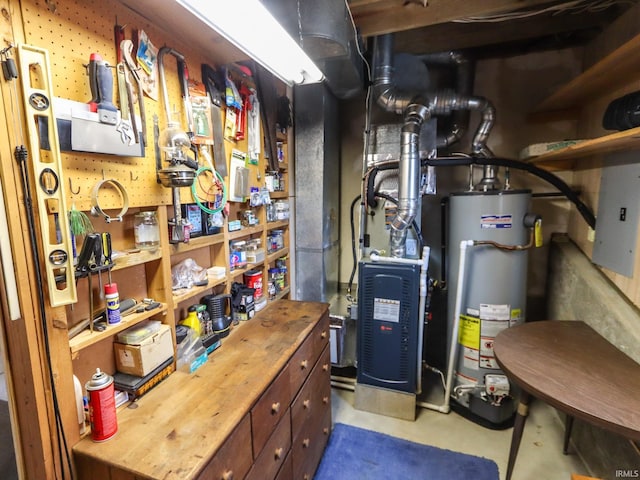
{"type": "Point", "coordinates": [494, 296]}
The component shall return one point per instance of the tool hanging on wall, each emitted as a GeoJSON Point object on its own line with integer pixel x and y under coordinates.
{"type": "Point", "coordinates": [47, 167]}
{"type": "Point", "coordinates": [176, 145]}
{"type": "Point", "coordinates": [209, 78]}
{"type": "Point", "coordinates": [57, 257]}
{"type": "Point", "coordinates": [126, 48]}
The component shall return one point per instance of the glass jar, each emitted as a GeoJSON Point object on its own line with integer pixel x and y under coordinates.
{"type": "Point", "coordinates": [146, 231]}
{"type": "Point", "coordinates": [238, 254]}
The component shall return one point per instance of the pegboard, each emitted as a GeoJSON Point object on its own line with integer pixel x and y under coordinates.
{"type": "Point", "coordinates": [73, 29]}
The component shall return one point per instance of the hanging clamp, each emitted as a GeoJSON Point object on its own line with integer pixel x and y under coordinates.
{"type": "Point", "coordinates": [97, 211]}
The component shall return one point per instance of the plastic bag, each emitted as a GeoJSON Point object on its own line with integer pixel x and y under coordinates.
{"type": "Point", "coordinates": [187, 273]}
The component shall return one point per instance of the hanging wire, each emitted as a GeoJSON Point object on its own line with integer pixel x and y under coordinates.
{"type": "Point", "coordinates": [573, 7]}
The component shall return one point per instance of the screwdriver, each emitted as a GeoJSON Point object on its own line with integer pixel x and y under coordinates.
{"type": "Point", "coordinates": [106, 252]}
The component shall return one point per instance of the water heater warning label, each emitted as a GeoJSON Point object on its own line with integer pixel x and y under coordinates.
{"type": "Point", "coordinates": [386, 310]}
{"type": "Point", "coordinates": [496, 221]}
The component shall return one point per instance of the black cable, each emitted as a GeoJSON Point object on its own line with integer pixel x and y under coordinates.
{"type": "Point", "coordinates": [353, 242]}
{"type": "Point", "coordinates": [549, 177]}
{"type": "Point", "coordinates": [20, 154]}
{"type": "Point", "coordinates": [444, 203]}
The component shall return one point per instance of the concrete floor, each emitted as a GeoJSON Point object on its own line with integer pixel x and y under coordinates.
{"type": "Point", "coordinates": [540, 456]}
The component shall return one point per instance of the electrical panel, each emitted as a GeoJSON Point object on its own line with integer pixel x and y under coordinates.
{"type": "Point", "coordinates": [618, 211]}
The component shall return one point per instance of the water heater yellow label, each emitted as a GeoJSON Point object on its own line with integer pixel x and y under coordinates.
{"type": "Point", "coordinates": [469, 332]}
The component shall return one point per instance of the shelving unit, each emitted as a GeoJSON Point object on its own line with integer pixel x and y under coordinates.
{"type": "Point", "coordinates": [148, 273]}
{"type": "Point", "coordinates": [87, 338]}
{"type": "Point", "coordinates": [193, 292]}
{"type": "Point", "coordinates": [617, 69]}
{"type": "Point", "coordinates": [138, 273]}
{"type": "Point", "coordinates": [566, 158]}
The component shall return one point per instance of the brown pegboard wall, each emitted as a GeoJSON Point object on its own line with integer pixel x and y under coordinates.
{"type": "Point", "coordinates": [73, 29]}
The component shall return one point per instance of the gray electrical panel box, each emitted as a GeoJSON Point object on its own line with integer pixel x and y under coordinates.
{"type": "Point", "coordinates": [618, 209]}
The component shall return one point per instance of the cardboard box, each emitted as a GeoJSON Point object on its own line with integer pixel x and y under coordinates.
{"type": "Point", "coordinates": [142, 358]}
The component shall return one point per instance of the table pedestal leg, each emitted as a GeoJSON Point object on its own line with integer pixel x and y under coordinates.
{"type": "Point", "coordinates": [567, 434]}
{"type": "Point", "coordinates": [518, 428]}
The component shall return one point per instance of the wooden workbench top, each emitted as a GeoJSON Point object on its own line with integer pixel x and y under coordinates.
{"type": "Point", "coordinates": [177, 427]}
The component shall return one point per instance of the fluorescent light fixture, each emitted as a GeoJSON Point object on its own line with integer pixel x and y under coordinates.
{"type": "Point", "coordinates": [249, 26]}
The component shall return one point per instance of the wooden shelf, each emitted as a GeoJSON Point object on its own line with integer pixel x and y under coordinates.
{"type": "Point", "coordinates": [565, 158]}
{"type": "Point", "coordinates": [87, 338]}
{"type": "Point", "coordinates": [245, 232]}
{"type": "Point", "coordinates": [137, 258]}
{"type": "Point", "coordinates": [186, 294]}
{"type": "Point", "coordinates": [272, 257]}
{"type": "Point", "coordinates": [277, 224]}
{"type": "Point", "coordinates": [282, 294]}
{"type": "Point", "coordinates": [618, 68]}
{"type": "Point", "coordinates": [239, 271]}
{"type": "Point", "coordinates": [194, 31]}
{"type": "Point", "coordinates": [198, 242]}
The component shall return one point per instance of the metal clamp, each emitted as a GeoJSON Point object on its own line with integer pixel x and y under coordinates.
{"type": "Point", "coordinates": [95, 206]}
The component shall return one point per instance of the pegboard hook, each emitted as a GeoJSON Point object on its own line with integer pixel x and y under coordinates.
{"type": "Point", "coordinates": [71, 188]}
{"type": "Point", "coordinates": [131, 176]}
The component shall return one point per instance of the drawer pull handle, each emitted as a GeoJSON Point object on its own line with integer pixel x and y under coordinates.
{"type": "Point", "coordinates": [228, 475]}
{"type": "Point", "coordinates": [306, 442]}
{"type": "Point", "coordinates": [306, 477]}
{"type": "Point", "coordinates": [304, 364]}
{"type": "Point", "coordinates": [323, 334]}
{"type": "Point", "coordinates": [325, 400]}
{"type": "Point", "coordinates": [325, 430]}
{"type": "Point", "coordinates": [325, 367]}
{"type": "Point", "coordinates": [306, 403]}
{"type": "Point", "coordinates": [275, 407]}
{"type": "Point", "coordinates": [278, 453]}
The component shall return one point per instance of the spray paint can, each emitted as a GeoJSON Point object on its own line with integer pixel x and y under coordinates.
{"type": "Point", "coordinates": [102, 406]}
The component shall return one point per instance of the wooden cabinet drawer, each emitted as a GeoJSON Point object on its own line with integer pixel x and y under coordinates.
{"type": "Point", "coordinates": [286, 471]}
{"type": "Point", "coordinates": [307, 447]}
{"type": "Point", "coordinates": [270, 460]}
{"type": "Point", "coordinates": [269, 409]}
{"type": "Point", "coordinates": [315, 396]}
{"type": "Point", "coordinates": [305, 357]}
{"type": "Point", "coordinates": [233, 460]}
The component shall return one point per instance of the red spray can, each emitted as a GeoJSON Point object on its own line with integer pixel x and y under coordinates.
{"type": "Point", "coordinates": [102, 406]}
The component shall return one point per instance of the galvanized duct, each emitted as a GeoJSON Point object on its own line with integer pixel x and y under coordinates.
{"type": "Point", "coordinates": [463, 86]}
{"type": "Point", "coordinates": [417, 109]}
{"type": "Point", "coordinates": [409, 175]}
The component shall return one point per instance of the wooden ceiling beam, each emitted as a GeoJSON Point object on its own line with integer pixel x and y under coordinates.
{"type": "Point", "coordinates": [377, 17]}
{"type": "Point", "coordinates": [460, 36]}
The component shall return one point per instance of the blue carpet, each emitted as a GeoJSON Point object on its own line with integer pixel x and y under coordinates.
{"type": "Point", "coordinates": [357, 454]}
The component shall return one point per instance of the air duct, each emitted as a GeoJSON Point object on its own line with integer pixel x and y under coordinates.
{"type": "Point", "coordinates": [418, 107]}
{"type": "Point", "coordinates": [325, 32]}
{"type": "Point", "coordinates": [464, 71]}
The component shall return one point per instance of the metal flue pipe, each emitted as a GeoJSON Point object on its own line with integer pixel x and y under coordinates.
{"type": "Point", "coordinates": [417, 108]}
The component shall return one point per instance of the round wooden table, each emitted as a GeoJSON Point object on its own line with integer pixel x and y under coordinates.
{"type": "Point", "coordinates": [571, 367]}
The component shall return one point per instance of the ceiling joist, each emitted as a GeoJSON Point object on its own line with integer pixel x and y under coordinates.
{"type": "Point", "coordinates": [377, 17]}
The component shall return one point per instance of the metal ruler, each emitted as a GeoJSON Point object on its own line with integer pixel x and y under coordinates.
{"type": "Point", "coordinates": [35, 77]}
